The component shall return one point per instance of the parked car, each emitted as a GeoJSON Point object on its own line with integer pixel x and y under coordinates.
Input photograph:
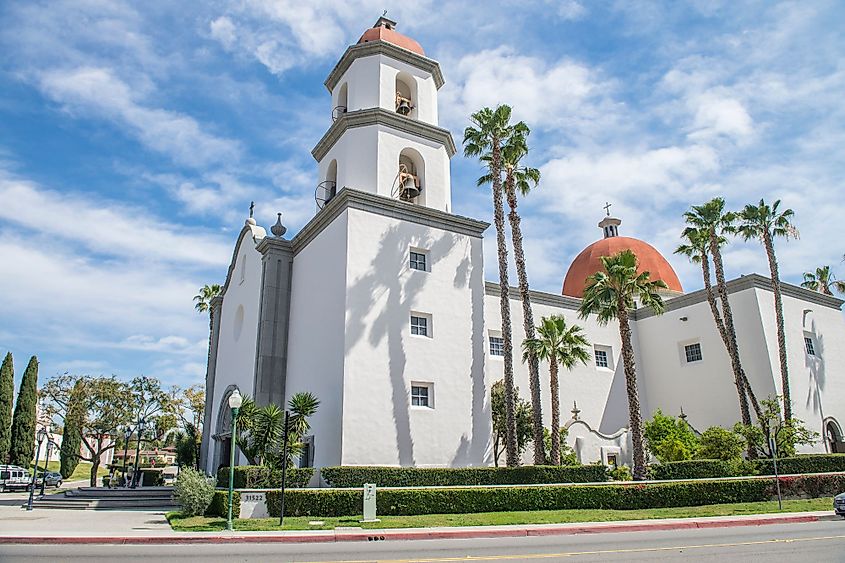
{"type": "Point", "coordinates": [839, 504]}
{"type": "Point", "coordinates": [13, 477]}
{"type": "Point", "coordinates": [52, 479]}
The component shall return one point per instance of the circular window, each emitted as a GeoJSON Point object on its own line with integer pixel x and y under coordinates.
{"type": "Point", "coordinates": [239, 322]}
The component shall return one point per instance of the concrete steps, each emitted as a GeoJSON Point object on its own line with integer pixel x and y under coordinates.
{"type": "Point", "coordinates": [97, 498]}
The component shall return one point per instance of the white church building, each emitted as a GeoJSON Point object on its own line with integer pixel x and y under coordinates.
{"type": "Point", "coordinates": [380, 307]}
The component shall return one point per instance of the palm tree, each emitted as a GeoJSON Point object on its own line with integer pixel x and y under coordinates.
{"type": "Point", "coordinates": [203, 301]}
{"type": "Point", "coordinates": [610, 295]}
{"type": "Point", "coordinates": [559, 345]}
{"type": "Point", "coordinates": [484, 138]}
{"type": "Point", "coordinates": [822, 281]}
{"type": "Point", "coordinates": [766, 222]}
{"type": "Point", "coordinates": [522, 179]}
{"type": "Point", "coordinates": [697, 249]}
{"type": "Point", "coordinates": [712, 219]}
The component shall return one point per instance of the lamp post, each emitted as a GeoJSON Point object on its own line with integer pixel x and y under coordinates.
{"type": "Point", "coordinates": [46, 460]}
{"type": "Point", "coordinates": [127, 433]}
{"type": "Point", "coordinates": [773, 445]}
{"type": "Point", "coordinates": [42, 433]}
{"type": "Point", "coordinates": [284, 467]}
{"type": "Point", "coordinates": [140, 429]}
{"type": "Point", "coordinates": [235, 401]}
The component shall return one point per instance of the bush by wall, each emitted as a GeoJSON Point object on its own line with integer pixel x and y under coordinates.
{"type": "Point", "coordinates": [260, 477]}
{"type": "Point", "coordinates": [193, 491]}
{"type": "Point", "coordinates": [807, 463]}
{"type": "Point", "coordinates": [219, 505]}
{"type": "Point", "coordinates": [352, 476]}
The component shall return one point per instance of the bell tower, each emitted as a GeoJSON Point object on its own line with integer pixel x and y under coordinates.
{"type": "Point", "coordinates": [384, 137]}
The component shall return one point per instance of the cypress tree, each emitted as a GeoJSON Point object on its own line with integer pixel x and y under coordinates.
{"type": "Point", "coordinates": [23, 423]}
{"type": "Point", "coordinates": [72, 433]}
{"type": "Point", "coordinates": [7, 397]}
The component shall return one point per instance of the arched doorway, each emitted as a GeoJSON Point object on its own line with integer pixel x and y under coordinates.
{"type": "Point", "coordinates": [833, 437]}
{"type": "Point", "coordinates": [223, 434]}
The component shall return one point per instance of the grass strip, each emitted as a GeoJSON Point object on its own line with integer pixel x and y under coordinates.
{"type": "Point", "coordinates": [181, 523]}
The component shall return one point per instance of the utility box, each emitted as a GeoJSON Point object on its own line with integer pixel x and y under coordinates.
{"type": "Point", "coordinates": [370, 503]}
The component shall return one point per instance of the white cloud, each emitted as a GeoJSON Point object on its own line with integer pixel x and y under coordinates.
{"type": "Point", "coordinates": [223, 30]}
{"type": "Point", "coordinates": [570, 10]}
{"type": "Point", "coordinates": [99, 92]}
{"type": "Point", "coordinates": [112, 229]}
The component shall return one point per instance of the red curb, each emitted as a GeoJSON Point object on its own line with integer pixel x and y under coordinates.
{"type": "Point", "coordinates": [377, 535]}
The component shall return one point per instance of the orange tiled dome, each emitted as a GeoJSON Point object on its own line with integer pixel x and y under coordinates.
{"type": "Point", "coordinates": [384, 31]}
{"type": "Point", "coordinates": [589, 262]}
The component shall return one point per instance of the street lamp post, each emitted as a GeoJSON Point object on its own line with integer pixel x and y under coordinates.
{"type": "Point", "coordinates": [127, 433]}
{"type": "Point", "coordinates": [235, 401]}
{"type": "Point", "coordinates": [42, 433]}
{"type": "Point", "coordinates": [140, 430]}
{"type": "Point", "coordinates": [46, 461]}
{"type": "Point", "coordinates": [773, 446]}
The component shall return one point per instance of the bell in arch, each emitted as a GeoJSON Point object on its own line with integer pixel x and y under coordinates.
{"type": "Point", "coordinates": [403, 105]}
{"type": "Point", "coordinates": [409, 184]}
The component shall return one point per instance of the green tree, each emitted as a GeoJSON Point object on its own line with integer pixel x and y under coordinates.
{"type": "Point", "coordinates": [610, 295]}
{"type": "Point", "coordinates": [72, 432]}
{"type": "Point", "coordinates": [23, 422]}
{"type": "Point", "coordinates": [188, 406]}
{"type": "Point", "coordinates": [788, 433]}
{"type": "Point", "coordinates": [7, 395]}
{"type": "Point", "coordinates": [567, 454]}
{"type": "Point", "coordinates": [261, 430]}
{"type": "Point", "coordinates": [484, 138]}
{"type": "Point", "coordinates": [822, 280]}
{"type": "Point", "coordinates": [765, 223]}
{"type": "Point", "coordinates": [669, 438]}
{"type": "Point", "coordinates": [712, 219]}
{"type": "Point", "coordinates": [561, 346]}
{"type": "Point", "coordinates": [719, 443]}
{"type": "Point", "coordinates": [524, 421]}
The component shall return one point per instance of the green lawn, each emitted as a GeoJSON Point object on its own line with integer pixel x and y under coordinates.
{"type": "Point", "coordinates": [203, 524]}
{"type": "Point", "coordinates": [82, 471]}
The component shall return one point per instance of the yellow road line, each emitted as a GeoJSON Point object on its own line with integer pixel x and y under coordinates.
{"type": "Point", "coordinates": [576, 553]}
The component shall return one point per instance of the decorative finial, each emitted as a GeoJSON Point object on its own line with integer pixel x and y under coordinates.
{"type": "Point", "coordinates": [607, 207]}
{"type": "Point", "coordinates": [251, 209]}
{"type": "Point", "coordinates": [384, 14]}
{"type": "Point", "coordinates": [278, 229]}
{"type": "Point", "coordinates": [575, 410]}
{"type": "Point", "coordinates": [683, 415]}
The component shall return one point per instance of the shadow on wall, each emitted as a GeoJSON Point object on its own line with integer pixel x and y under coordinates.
{"type": "Point", "coordinates": [815, 370]}
{"type": "Point", "coordinates": [386, 282]}
{"type": "Point", "coordinates": [615, 414]}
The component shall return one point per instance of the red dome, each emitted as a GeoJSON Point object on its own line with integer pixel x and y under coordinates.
{"type": "Point", "coordinates": [383, 31]}
{"type": "Point", "coordinates": [589, 262]}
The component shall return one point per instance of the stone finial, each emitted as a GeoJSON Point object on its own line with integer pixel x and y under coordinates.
{"type": "Point", "coordinates": [575, 410]}
{"type": "Point", "coordinates": [278, 229]}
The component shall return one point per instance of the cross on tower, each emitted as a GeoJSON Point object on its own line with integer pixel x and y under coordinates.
{"type": "Point", "coordinates": [251, 209]}
{"type": "Point", "coordinates": [607, 208]}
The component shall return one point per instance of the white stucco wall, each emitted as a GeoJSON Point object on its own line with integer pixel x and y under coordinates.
{"type": "Point", "coordinates": [238, 330]}
{"type": "Point", "coordinates": [383, 358]}
{"type": "Point", "coordinates": [316, 336]}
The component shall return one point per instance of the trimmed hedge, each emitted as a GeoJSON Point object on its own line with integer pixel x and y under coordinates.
{"type": "Point", "coordinates": [352, 476]}
{"type": "Point", "coordinates": [806, 463]}
{"type": "Point", "coordinates": [693, 469]}
{"type": "Point", "coordinates": [220, 504]}
{"type": "Point", "coordinates": [260, 477]}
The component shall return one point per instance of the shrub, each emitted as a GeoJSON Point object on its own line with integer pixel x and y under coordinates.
{"type": "Point", "coordinates": [219, 505]}
{"type": "Point", "coordinates": [260, 477]}
{"type": "Point", "coordinates": [193, 491]}
{"type": "Point", "coordinates": [620, 473]}
{"type": "Point", "coordinates": [430, 477]}
{"type": "Point", "coordinates": [322, 502]}
{"type": "Point", "coordinates": [669, 438]}
{"type": "Point", "coordinates": [719, 443]}
{"type": "Point", "coordinates": [807, 463]}
{"type": "Point", "coordinates": [694, 469]}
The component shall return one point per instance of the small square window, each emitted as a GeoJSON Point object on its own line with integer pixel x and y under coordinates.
{"type": "Point", "coordinates": [601, 359]}
{"type": "Point", "coordinates": [418, 261]}
{"type": "Point", "coordinates": [419, 326]}
{"type": "Point", "coordinates": [693, 352]}
{"type": "Point", "coordinates": [421, 396]}
{"type": "Point", "coordinates": [497, 346]}
{"type": "Point", "coordinates": [809, 346]}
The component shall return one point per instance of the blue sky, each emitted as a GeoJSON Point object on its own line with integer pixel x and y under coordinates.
{"type": "Point", "coordinates": [134, 135]}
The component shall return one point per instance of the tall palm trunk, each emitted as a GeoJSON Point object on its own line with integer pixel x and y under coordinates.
{"type": "Point", "coordinates": [553, 376]}
{"type": "Point", "coordinates": [733, 347]}
{"type": "Point", "coordinates": [635, 420]}
{"type": "Point", "coordinates": [527, 322]}
{"type": "Point", "coordinates": [784, 370]}
{"type": "Point", "coordinates": [723, 332]}
{"type": "Point", "coordinates": [504, 301]}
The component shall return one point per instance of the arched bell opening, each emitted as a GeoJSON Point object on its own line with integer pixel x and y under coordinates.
{"type": "Point", "coordinates": [327, 189]}
{"type": "Point", "coordinates": [406, 95]}
{"type": "Point", "coordinates": [410, 177]}
{"type": "Point", "coordinates": [342, 103]}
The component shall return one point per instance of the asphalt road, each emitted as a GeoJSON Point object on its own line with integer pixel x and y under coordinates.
{"type": "Point", "coordinates": [804, 543]}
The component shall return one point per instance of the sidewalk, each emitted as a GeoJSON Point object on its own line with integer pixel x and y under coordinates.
{"type": "Point", "coordinates": [119, 527]}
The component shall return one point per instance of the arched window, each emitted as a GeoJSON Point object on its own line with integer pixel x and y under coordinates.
{"type": "Point", "coordinates": [327, 189]}
{"type": "Point", "coordinates": [833, 437]}
{"type": "Point", "coordinates": [410, 178]}
{"type": "Point", "coordinates": [406, 95]}
{"type": "Point", "coordinates": [342, 105]}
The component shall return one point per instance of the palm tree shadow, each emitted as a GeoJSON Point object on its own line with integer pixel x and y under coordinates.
{"type": "Point", "coordinates": [389, 289]}
{"type": "Point", "coordinates": [615, 414]}
{"type": "Point", "coordinates": [815, 372]}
